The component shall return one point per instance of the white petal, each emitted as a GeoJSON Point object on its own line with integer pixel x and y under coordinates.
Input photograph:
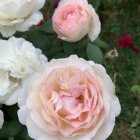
{"type": "Point", "coordinates": [33, 20]}
{"type": "Point", "coordinates": [19, 59]}
{"type": "Point", "coordinates": [82, 2]}
{"type": "Point", "coordinates": [107, 128]}
{"type": "Point", "coordinates": [12, 98]}
{"type": "Point", "coordinates": [36, 133]}
{"type": "Point", "coordinates": [7, 31]}
{"type": "Point", "coordinates": [23, 113]}
{"type": "Point", "coordinates": [1, 119]}
{"type": "Point", "coordinates": [40, 4]}
{"type": "Point", "coordinates": [20, 16]}
{"type": "Point", "coordinates": [107, 82]}
{"type": "Point", "coordinates": [95, 25]}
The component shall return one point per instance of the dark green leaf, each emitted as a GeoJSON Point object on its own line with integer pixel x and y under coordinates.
{"type": "Point", "coordinates": [23, 135]}
{"type": "Point", "coordinates": [97, 4]}
{"type": "Point", "coordinates": [60, 55]}
{"type": "Point", "coordinates": [10, 129]}
{"type": "Point", "coordinates": [40, 40]}
{"type": "Point", "coordinates": [68, 48]}
{"type": "Point", "coordinates": [47, 27]}
{"type": "Point", "coordinates": [101, 43]}
{"type": "Point", "coordinates": [94, 53]}
{"type": "Point", "coordinates": [7, 112]}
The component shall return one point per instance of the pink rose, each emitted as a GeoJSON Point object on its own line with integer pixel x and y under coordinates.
{"type": "Point", "coordinates": [73, 19]}
{"type": "Point", "coordinates": [69, 99]}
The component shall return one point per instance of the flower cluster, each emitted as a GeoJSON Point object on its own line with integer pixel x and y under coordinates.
{"type": "Point", "coordinates": [64, 99]}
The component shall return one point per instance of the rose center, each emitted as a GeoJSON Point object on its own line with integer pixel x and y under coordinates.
{"type": "Point", "coordinates": [80, 99]}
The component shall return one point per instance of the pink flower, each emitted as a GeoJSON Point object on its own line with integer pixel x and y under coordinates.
{"type": "Point", "coordinates": [73, 19]}
{"type": "Point", "coordinates": [69, 99]}
{"type": "Point", "coordinates": [125, 41]}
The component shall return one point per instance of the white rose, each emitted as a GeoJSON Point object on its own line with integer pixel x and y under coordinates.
{"type": "Point", "coordinates": [69, 99]}
{"type": "Point", "coordinates": [19, 15]}
{"type": "Point", "coordinates": [18, 60]}
{"type": "Point", "coordinates": [1, 119]}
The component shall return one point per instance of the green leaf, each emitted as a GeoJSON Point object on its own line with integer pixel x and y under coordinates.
{"type": "Point", "coordinates": [40, 40]}
{"type": "Point", "coordinates": [54, 50]}
{"type": "Point", "coordinates": [10, 129]}
{"type": "Point", "coordinates": [81, 44]}
{"type": "Point", "coordinates": [101, 43]}
{"type": "Point", "coordinates": [81, 53]}
{"type": "Point", "coordinates": [94, 53]}
{"type": "Point", "coordinates": [23, 135]}
{"type": "Point", "coordinates": [68, 48]}
{"type": "Point", "coordinates": [60, 55]}
{"type": "Point", "coordinates": [47, 27]}
{"type": "Point", "coordinates": [56, 42]}
{"type": "Point", "coordinates": [7, 112]}
{"type": "Point", "coordinates": [96, 4]}
{"type": "Point", "coordinates": [135, 89]}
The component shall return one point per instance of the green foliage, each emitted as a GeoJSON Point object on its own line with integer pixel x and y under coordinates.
{"type": "Point", "coordinates": [96, 4]}
{"type": "Point", "coordinates": [100, 43]}
{"type": "Point", "coordinates": [135, 89]}
{"type": "Point", "coordinates": [46, 27]}
{"type": "Point", "coordinates": [94, 53]}
{"type": "Point", "coordinates": [10, 129]}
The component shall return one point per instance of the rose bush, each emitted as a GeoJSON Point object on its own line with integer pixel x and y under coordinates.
{"type": "Point", "coordinates": [19, 15]}
{"type": "Point", "coordinates": [69, 99]}
{"type": "Point", "coordinates": [72, 20]}
{"type": "Point", "coordinates": [18, 60]}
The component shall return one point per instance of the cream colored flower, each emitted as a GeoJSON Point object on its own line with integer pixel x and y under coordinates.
{"type": "Point", "coordinates": [73, 19]}
{"type": "Point", "coordinates": [69, 99]}
{"type": "Point", "coordinates": [19, 15]}
{"type": "Point", "coordinates": [18, 60]}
